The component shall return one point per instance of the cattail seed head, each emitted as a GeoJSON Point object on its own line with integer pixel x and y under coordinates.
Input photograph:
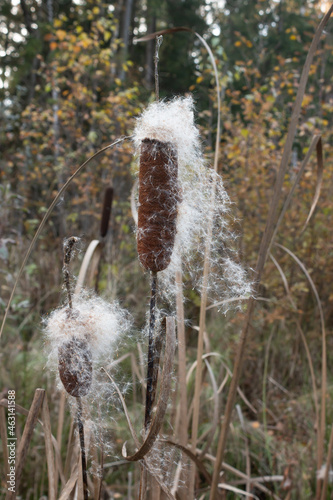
{"type": "Point", "coordinates": [203, 199]}
{"type": "Point", "coordinates": [158, 199]}
{"type": "Point", "coordinates": [75, 367]}
{"type": "Point", "coordinates": [80, 339]}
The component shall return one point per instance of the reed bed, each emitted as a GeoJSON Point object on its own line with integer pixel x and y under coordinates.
{"type": "Point", "coordinates": [177, 422]}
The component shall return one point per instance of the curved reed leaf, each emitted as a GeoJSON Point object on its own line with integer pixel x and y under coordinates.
{"type": "Point", "coordinates": [321, 441]}
{"type": "Point", "coordinates": [320, 172]}
{"type": "Point", "coordinates": [46, 217]}
{"type": "Point", "coordinates": [162, 400]}
{"type": "Point", "coordinates": [300, 331]}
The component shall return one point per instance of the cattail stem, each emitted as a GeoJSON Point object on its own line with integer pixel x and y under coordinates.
{"type": "Point", "coordinates": [68, 249]}
{"type": "Point", "coordinates": [151, 373]}
{"type": "Point", "coordinates": [83, 450]}
{"type": "Point", "coordinates": [159, 40]}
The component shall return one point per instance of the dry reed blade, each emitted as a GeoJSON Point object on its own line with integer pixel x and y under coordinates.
{"type": "Point", "coordinates": [307, 350]}
{"type": "Point", "coordinates": [229, 372]}
{"type": "Point", "coordinates": [145, 467]}
{"type": "Point", "coordinates": [26, 438]}
{"type": "Point", "coordinates": [52, 477]}
{"type": "Point", "coordinates": [89, 265]}
{"type": "Point", "coordinates": [215, 418]}
{"type": "Point", "coordinates": [320, 444]}
{"type": "Point", "coordinates": [46, 217]}
{"type": "Point", "coordinates": [228, 487]}
{"type": "Point", "coordinates": [70, 485]}
{"type": "Point", "coordinates": [256, 482]}
{"type": "Point", "coordinates": [71, 450]}
{"type": "Point", "coordinates": [135, 369]}
{"type": "Point", "coordinates": [327, 467]}
{"type": "Point", "coordinates": [58, 462]}
{"type": "Point", "coordinates": [3, 435]}
{"type": "Point", "coordinates": [247, 450]}
{"type": "Point", "coordinates": [263, 251]}
{"type": "Point", "coordinates": [314, 144]}
{"type": "Point", "coordinates": [181, 424]}
{"type": "Point", "coordinates": [23, 411]}
{"type": "Point", "coordinates": [320, 172]}
{"type": "Point", "coordinates": [194, 457]}
{"type": "Point", "coordinates": [61, 417]}
{"type": "Point", "coordinates": [236, 299]}
{"type": "Point", "coordinates": [82, 448]}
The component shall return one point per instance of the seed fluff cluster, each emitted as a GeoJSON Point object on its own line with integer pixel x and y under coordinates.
{"type": "Point", "coordinates": [78, 342]}
{"type": "Point", "coordinates": [199, 195]}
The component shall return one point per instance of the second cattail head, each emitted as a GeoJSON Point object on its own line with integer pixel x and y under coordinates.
{"type": "Point", "coordinates": [81, 338]}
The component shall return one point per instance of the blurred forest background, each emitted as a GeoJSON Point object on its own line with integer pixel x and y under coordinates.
{"type": "Point", "coordinates": [73, 81]}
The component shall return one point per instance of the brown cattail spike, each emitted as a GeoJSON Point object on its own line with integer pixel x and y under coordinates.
{"type": "Point", "coordinates": [75, 367]}
{"type": "Point", "coordinates": [158, 199]}
{"type": "Point", "coordinates": [106, 213]}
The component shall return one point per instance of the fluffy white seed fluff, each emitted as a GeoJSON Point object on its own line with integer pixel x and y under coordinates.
{"type": "Point", "coordinates": [174, 122]}
{"type": "Point", "coordinates": [97, 322]}
{"type": "Point", "coordinates": [102, 326]}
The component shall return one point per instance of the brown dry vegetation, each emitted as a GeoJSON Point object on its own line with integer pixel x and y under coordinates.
{"type": "Point", "coordinates": [279, 401]}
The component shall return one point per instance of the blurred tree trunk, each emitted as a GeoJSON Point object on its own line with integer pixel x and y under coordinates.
{"type": "Point", "coordinates": [149, 67]}
{"type": "Point", "coordinates": [125, 35]}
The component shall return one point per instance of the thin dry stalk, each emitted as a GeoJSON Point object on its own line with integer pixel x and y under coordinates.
{"type": "Point", "coordinates": [52, 478]}
{"type": "Point", "coordinates": [71, 445]}
{"type": "Point", "coordinates": [263, 252]}
{"type": "Point", "coordinates": [327, 467]}
{"type": "Point", "coordinates": [247, 450]}
{"type": "Point", "coordinates": [320, 172]}
{"type": "Point", "coordinates": [256, 482]}
{"type": "Point", "coordinates": [306, 346]}
{"type": "Point", "coordinates": [315, 143]}
{"type": "Point", "coordinates": [215, 419]}
{"type": "Point", "coordinates": [61, 418]}
{"type": "Point", "coordinates": [26, 438]}
{"type": "Point", "coordinates": [82, 447]}
{"type": "Point", "coordinates": [206, 270]}
{"type": "Point", "coordinates": [70, 485]}
{"type": "Point", "coordinates": [181, 424]}
{"type": "Point", "coordinates": [321, 442]}
{"type": "Point", "coordinates": [3, 435]}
